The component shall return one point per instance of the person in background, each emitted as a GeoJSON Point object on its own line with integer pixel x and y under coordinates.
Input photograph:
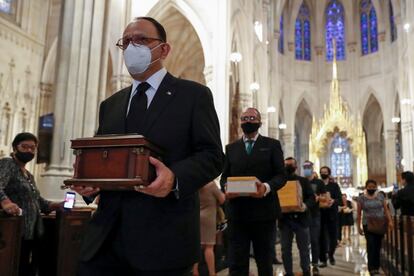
{"type": "Point", "coordinates": [329, 218]}
{"type": "Point", "coordinates": [297, 223]}
{"type": "Point", "coordinates": [372, 205]}
{"type": "Point", "coordinates": [252, 218]}
{"type": "Point", "coordinates": [346, 218]}
{"type": "Point", "coordinates": [318, 188]}
{"type": "Point", "coordinates": [210, 198]}
{"type": "Point", "coordinates": [19, 196]}
{"type": "Point", "coordinates": [404, 198]}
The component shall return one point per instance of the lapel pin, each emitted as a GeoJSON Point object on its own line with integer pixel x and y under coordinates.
{"type": "Point", "coordinates": [168, 93]}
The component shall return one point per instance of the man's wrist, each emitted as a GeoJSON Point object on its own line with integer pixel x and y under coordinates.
{"type": "Point", "coordinates": [267, 191]}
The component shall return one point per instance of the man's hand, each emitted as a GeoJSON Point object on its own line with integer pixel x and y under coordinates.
{"type": "Point", "coordinates": [164, 182]}
{"type": "Point", "coordinates": [360, 231]}
{"type": "Point", "coordinates": [317, 198]}
{"type": "Point", "coordinates": [85, 191]}
{"type": "Point", "coordinates": [261, 190]}
{"type": "Point", "coordinates": [10, 207]}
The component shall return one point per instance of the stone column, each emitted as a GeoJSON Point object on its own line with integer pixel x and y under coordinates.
{"type": "Point", "coordinates": [288, 144]}
{"type": "Point", "coordinates": [76, 87]}
{"type": "Point", "coordinates": [391, 156]}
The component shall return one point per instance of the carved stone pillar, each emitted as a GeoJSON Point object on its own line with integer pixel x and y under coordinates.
{"type": "Point", "coordinates": [391, 156]}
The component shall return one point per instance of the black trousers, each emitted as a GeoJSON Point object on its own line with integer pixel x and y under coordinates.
{"type": "Point", "coordinates": [259, 233]}
{"type": "Point", "coordinates": [373, 249]}
{"type": "Point", "coordinates": [110, 260]}
{"type": "Point", "coordinates": [329, 237]}
{"type": "Point", "coordinates": [28, 264]}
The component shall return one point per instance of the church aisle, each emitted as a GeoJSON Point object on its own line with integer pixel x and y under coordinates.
{"type": "Point", "coordinates": [350, 260]}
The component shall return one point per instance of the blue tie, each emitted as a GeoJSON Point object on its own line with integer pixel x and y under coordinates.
{"type": "Point", "coordinates": [249, 146]}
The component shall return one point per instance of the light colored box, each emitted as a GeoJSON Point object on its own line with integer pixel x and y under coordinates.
{"type": "Point", "coordinates": [242, 184]}
{"type": "Point", "coordinates": [290, 197]}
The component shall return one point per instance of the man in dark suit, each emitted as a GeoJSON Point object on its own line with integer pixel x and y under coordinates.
{"type": "Point", "coordinates": [404, 198]}
{"type": "Point", "coordinates": [252, 218]}
{"type": "Point", "coordinates": [329, 219]}
{"type": "Point", "coordinates": [297, 223]}
{"type": "Point", "coordinates": [154, 231]}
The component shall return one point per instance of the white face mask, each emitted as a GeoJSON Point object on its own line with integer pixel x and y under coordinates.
{"type": "Point", "coordinates": [138, 58]}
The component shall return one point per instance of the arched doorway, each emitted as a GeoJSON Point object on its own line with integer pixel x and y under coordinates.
{"type": "Point", "coordinates": [373, 124]}
{"type": "Point", "coordinates": [303, 127]}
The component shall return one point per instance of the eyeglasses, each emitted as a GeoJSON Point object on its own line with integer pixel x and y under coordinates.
{"type": "Point", "coordinates": [26, 147]}
{"type": "Point", "coordinates": [135, 40]}
{"type": "Point", "coordinates": [248, 118]}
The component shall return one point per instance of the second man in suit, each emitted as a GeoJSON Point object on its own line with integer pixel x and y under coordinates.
{"type": "Point", "coordinates": [252, 218]}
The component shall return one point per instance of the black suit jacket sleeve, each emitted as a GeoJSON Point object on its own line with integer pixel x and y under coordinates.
{"type": "Point", "coordinates": [226, 172]}
{"type": "Point", "coordinates": [195, 171]}
{"type": "Point", "coordinates": [279, 178]}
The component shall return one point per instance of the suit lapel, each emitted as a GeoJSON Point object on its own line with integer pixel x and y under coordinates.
{"type": "Point", "coordinates": [120, 116]}
{"type": "Point", "coordinates": [241, 147]}
{"type": "Point", "coordinates": [163, 96]}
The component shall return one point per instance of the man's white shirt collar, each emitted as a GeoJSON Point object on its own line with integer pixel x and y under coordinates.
{"type": "Point", "coordinates": [245, 139]}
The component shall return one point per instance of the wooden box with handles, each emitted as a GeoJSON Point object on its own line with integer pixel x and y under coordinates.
{"type": "Point", "coordinates": [113, 162]}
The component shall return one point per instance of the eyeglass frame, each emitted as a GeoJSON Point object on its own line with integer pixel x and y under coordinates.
{"type": "Point", "coordinates": [248, 118]}
{"type": "Point", "coordinates": [28, 147]}
{"type": "Point", "coordinates": [142, 39]}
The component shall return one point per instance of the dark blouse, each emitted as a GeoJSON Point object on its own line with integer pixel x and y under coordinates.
{"type": "Point", "coordinates": [23, 191]}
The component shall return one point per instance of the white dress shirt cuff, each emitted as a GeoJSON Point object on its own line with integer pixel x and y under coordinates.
{"type": "Point", "coordinates": [267, 189]}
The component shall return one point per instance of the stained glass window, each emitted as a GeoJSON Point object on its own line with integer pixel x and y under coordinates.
{"type": "Point", "coordinates": [392, 23]}
{"type": "Point", "coordinates": [281, 40]}
{"type": "Point", "coordinates": [369, 33]}
{"type": "Point", "coordinates": [341, 162]}
{"type": "Point", "coordinates": [6, 6]}
{"type": "Point", "coordinates": [335, 29]}
{"type": "Point", "coordinates": [303, 34]}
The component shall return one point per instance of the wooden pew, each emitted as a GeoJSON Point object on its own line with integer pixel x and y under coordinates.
{"type": "Point", "coordinates": [10, 241]}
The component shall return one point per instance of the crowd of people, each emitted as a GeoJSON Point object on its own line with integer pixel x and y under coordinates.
{"type": "Point", "coordinates": [156, 229]}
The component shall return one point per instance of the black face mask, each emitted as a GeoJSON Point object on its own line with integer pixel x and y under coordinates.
{"type": "Point", "coordinates": [371, 191]}
{"type": "Point", "coordinates": [324, 176]}
{"type": "Point", "coordinates": [290, 169]}
{"type": "Point", "coordinates": [24, 157]}
{"type": "Point", "coordinates": [250, 127]}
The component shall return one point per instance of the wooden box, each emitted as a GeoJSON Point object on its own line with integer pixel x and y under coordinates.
{"type": "Point", "coordinates": [241, 184]}
{"type": "Point", "coordinates": [113, 162]}
{"type": "Point", "coordinates": [290, 197]}
{"type": "Point", "coordinates": [325, 200]}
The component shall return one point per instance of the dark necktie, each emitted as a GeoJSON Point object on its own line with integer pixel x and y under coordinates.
{"type": "Point", "coordinates": [249, 146]}
{"type": "Point", "coordinates": [137, 109]}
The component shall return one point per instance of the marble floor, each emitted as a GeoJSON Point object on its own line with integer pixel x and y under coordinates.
{"type": "Point", "coordinates": [351, 259]}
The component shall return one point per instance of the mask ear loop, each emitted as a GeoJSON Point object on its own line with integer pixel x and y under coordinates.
{"type": "Point", "coordinates": [151, 54]}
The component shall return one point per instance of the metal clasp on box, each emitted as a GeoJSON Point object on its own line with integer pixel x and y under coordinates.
{"type": "Point", "coordinates": [139, 150]}
{"type": "Point", "coordinates": [105, 154]}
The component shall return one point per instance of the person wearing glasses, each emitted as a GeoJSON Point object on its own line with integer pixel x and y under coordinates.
{"type": "Point", "coordinates": [154, 230]}
{"type": "Point", "coordinates": [252, 218]}
{"type": "Point", "coordinates": [19, 196]}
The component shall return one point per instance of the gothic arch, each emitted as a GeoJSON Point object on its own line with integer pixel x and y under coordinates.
{"type": "Point", "coordinates": [373, 124]}
{"type": "Point", "coordinates": [162, 9]}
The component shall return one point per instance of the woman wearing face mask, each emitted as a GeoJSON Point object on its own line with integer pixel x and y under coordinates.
{"type": "Point", "coordinates": [19, 196]}
{"type": "Point", "coordinates": [375, 216]}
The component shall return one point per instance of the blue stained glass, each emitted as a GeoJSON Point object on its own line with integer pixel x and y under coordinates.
{"type": "Point", "coordinates": [364, 34]}
{"type": "Point", "coordinates": [341, 162]}
{"type": "Point", "coordinates": [373, 30]}
{"type": "Point", "coordinates": [369, 33]}
{"type": "Point", "coordinates": [393, 28]}
{"type": "Point", "coordinates": [298, 39]}
{"type": "Point", "coordinates": [335, 29]}
{"type": "Point", "coordinates": [307, 42]}
{"type": "Point", "coordinates": [281, 39]}
{"type": "Point", "coordinates": [6, 6]}
{"type": "Point", "coordinates": [303, 34]}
